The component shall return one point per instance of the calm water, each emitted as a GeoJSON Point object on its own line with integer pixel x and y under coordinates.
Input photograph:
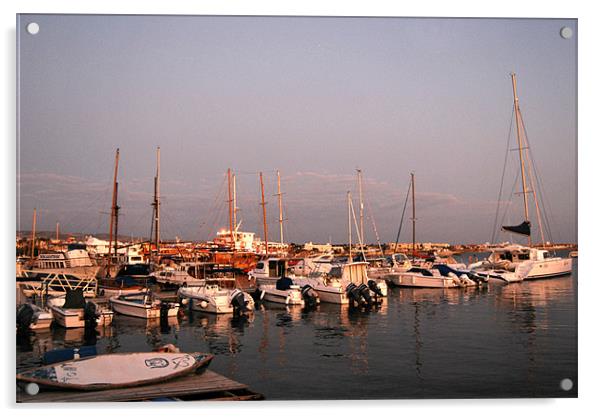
{"type": "Point", "coordinates": [516, 340]}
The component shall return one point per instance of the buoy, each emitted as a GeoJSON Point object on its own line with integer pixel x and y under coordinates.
{"type": "Point", "coordinates": [203, 304]}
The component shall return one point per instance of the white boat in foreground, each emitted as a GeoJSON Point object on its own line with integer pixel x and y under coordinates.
{"type": "Point", "coordinates": [143, 305]}
{"type": "Point", "coordinates": [73, 311]}
{"type": "Point", "coordinates": [116, 370]}
{"type": "Point", "coordinates": [216, 300]}
{"type": "Point", "coordinates": [434, 276]}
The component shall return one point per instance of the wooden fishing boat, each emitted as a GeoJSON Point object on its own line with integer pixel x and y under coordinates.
{"type": "Point", "coordinates": [117, 370]}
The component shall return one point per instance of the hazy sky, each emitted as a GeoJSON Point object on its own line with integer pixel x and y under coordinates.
{"type": "Point", "coordinates": [315, 98]}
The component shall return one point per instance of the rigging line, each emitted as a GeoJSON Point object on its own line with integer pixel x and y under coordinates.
{"type": "Point", "coordinates": [212, 213]}
{"type": "Point", "coordinates": [357, 230]}
{"type": "Point", "coordinates": [380, 247]}
{"type": "Point", "coordinates": [402, 216]}
{"type": "Point", "coordinates": [509, 203]}
{"type": "Point", "coordinates": [542, 194]}
{"type": "Point", "coordinates": [499, 197]}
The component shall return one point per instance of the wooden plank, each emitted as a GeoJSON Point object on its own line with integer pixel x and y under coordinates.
{"type": "Point", "coordinates": [208, 382]}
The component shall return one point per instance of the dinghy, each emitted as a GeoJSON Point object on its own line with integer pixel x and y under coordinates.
{"type": "Point", "coordinates": [116, 370]}
{"type": "Point", "coordinates": [143, 305]}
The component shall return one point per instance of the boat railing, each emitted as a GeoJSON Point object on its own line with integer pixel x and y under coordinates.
{"type": "Point", "coordinates": [60, 282]}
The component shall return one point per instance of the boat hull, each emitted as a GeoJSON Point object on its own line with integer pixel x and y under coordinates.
{"type": "Point", "coordinates": [419, 281]}
{"type": "Point", "coordinates": [143, 311]}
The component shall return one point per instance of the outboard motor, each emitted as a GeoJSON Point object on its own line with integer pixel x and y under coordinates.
{"type": "Point", "coordinates": [354, 295]}
{"type": "Point", "coordinates": [91, 314]}
{"type": "Point", "coordinates": [25, 316]}
{"type": "Point", "coordinates": [374, 288]}
{"type": "Point", "coordinates": [365, 294]}
{"type": "Point", "coordinates": [238, 301]}
{"type": "Point", "coordinates": [164, 310]}
{"type": "Point", "coordinates": [310, 296]}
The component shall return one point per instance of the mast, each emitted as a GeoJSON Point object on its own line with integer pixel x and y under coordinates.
{"type": "Point", "coordinates": [280, 209]}
{"type": "Point", "coordinates": [265, 225]}
{"type": "Point", "coordinates": [113, 210]}
{"type": "Point", "coordinates": [413, 219]}
{"type": "Point", "coordinates": [116, 219]}
{"type": "Point", "coordinates": [157, 203]}
{"type": "Point", "coordinates": [520, 149]}
{"type": "Point", "coordinates": [234, 207]}
{"type": "Point", "coordinates": [349, 226]}
{"type": "Point", "coordinates": [57, 230]}
{"type": "Point", "coordinates": [230, 201]}
{"type": "Point", "coordinates": [33, 233]}
{"type": "Point", "coordinates": [359, 182]}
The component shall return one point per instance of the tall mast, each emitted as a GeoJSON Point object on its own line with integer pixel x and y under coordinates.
{"type": "Point", "coordinates": [115, 236]}
{"type": "Point", "coordinates": [157, 202]}
{"type": "Point", "coordinates": [349, 225]}
{"type": "Point", "coordinates": [359, 182]}
{"type": "Point", "coordinates": [413, 218]}
{"type": "Point", "coordinates": [113, 210]}
{"type": "Point", "coordinates": [230, 201]}
{"type": "Point", "coordinates": [33, 233]}
{"type": "Point", "coordinates": [520, 149]}
{"type": "Point", "coordinates": [280, 208]}
{"type": "Point", "coordinates": [234, 207]}
{"type": "Point", "coordinates": [57, 230]}
{"type": "Point", "coordinates": [263, 203]}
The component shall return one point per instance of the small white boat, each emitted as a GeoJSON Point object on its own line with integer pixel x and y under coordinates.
{"type": "Point", "coordinates": [175, 277]}
{"type": "Point", "coordinates": [116, 370]}
{"type": "Point", "coordinates": [283, 291]}
{"type": "Point", "coordinates": [434, 276]}
{"type": "Point", "coordinates": [574, 254]}
{"type": "Point", "coordinates": [30, 316]}
{"type": "Point", "coordinates": [330, 290]}
{"type": "Point", "coordinates": [213, 299]}
{"type": "Point", "coordinates": [143, 305]}
{"type": "Point", "coordinates": [72, 311]}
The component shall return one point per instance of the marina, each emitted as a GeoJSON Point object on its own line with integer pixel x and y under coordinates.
{"type": "Point", "coordinates": [295, 209]}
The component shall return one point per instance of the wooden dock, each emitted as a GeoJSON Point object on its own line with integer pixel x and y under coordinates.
{"type": "Point", "coordinates": [206, 386]}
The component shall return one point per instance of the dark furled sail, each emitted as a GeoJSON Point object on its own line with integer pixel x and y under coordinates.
{"type": "Point", "coordinates": [522, 229]}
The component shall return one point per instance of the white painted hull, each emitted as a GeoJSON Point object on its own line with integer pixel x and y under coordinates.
{"type": "Point", "coordinates": [42, 321]}
{"type": "Point", "coordinates": [550, 268]}
{"type": "Point", "coordinates": [113, 292]}
{"type": "Point", "coordinates": [74, 318]}
{"type": "Point", "coordinates": [287, 297]}
{"type": "Point", "coordinates": [420, 281]}
{"type": "Point", "coordinates": [208, 301]}
{"type": "Point", "coordinates": [144, 311]}
{"type": "Point", "coordinates": [332, 295]}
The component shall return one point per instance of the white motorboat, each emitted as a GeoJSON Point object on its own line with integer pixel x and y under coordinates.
{"type": "Point", "coordinates": [213, 299]}
{"type": "Point", "coordinates": [72, 311]}
{"type": "Point", "coordinates": [174, 277]}
{"type": "Point", "coordinates": [33, 317]}
{"type": "Point", "coordinates": [435, 276]}
{"type": "Point", "coordinates": [282, 291]}
{"type": "Point", "coordinates": [143, 305]}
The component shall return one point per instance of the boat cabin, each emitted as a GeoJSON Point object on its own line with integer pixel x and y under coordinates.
{"type": "Point", "coordinates": [516, 254]}
{"type": "Point", "coordinates": [270, 268]}
{"type": "Point", "coordinates": [69, 259]}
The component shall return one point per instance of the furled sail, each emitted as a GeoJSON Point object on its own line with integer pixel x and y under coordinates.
{"type": "Point", "coordinates": [522, 229]}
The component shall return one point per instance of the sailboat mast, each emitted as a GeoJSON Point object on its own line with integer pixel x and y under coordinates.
{"type": "Point", "coordinates": [359, 182]}
{"type": "Point", "coordinates": [280, 209]}
{"type": "Point", "coordinates": [520, 149]}
{"type": "Point", "coordinates": [234, 207]}
{"type": "Point", "coordinates": [413, 218]}
{"type": "Point", "coordinates": [157, 202]}
{"type": "Point", "coordinates": [115, 236]}
{"type": "Point", "coordinates": [113, 209]}
{"type": "Point", "coordinates": [57, 230]}
{"type": "Point", "coordinates": [265, 225]}
{"type": "Point", "coordinates": [349, 225]}
{"type": "Point", "coordinates": [230, 201]}
{"type": "Point", "coordinates": [33, 233]}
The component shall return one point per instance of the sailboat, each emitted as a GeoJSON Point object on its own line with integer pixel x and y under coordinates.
{"type": "Point", "coordinates": [514, 263]}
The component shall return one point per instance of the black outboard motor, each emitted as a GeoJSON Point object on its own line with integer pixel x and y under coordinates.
{"type": "Point", "coordinates": [374, 288]}
{"type": "Point", "coordinates": [25, 316]}
{"type": "Point", "coordinates": [365, 294]}
{"type": "Point", "coordinates": [164, 310]}
{"type": "Point", "coordinates": [310, 296]}
{"type": "Point", "coordinates": [284, 283]}
{"type": "Point", "coordinates": [238, 301]}
{"type": "Point", "coordinates": [91, 314]}
{"type": "Point", "coordinates": [354, 295]}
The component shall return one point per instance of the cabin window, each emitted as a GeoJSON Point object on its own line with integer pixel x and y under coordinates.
{"type": "Point", "coordinates": [523, 256]}
{"type": "Point", "coordinates": [260, 265]}
{"type": "Point", "coordinates": [547, 255]}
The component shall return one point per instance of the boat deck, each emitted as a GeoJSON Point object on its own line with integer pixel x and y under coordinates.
{"type": "Point", "coordinates": [209, 386]}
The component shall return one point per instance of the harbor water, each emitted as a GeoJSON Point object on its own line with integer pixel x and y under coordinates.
{"type": "Point", "coordinates": [517, 340]}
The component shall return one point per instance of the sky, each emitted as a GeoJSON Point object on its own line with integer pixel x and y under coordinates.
{"type": "Point", "coordinates": [316, 99]}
